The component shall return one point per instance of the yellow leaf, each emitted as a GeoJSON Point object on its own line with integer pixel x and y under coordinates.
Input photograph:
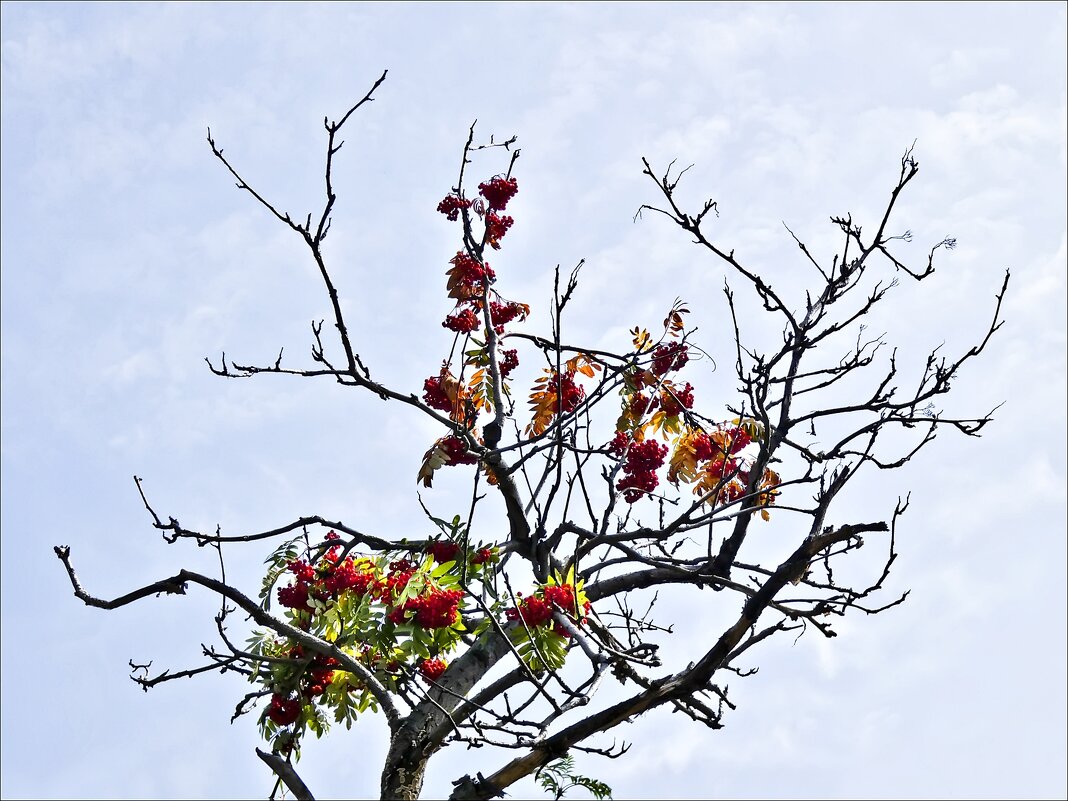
{"type": "Point", "coordinates": [641, 339]}
{"type": "Point", "coordinates": [682, 466]}
{"type": "Point", "coordinates": [656, 422]}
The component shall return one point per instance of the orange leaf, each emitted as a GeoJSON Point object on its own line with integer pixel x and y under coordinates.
{"type": "Point", "coordinates": [673, 323]}
{"type": "Point", "coordinates": [584, 364]}
{"type": "Point", "coordinates": [543, 401]}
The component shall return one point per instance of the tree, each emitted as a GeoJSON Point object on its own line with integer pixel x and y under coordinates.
{"type": "Point", "coordinates": [613, 486]}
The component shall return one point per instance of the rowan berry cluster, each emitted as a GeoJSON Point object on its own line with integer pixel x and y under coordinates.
{"type": "Point", "coordinates": [569, 393]}
{"type": "Point", "coordinates": [702, 446]}
{"type": "Point", "coordinates": [294, 596]}
{"type": "Point", "coordinates": [498, 191]}
{"type": "Point", "coordinates": [536, 609]}
{"type": "Point", "coordinates": [331, 578]}
{"type": "Point", "coordinates": [435, 609]}
{"type": "Point", "coordinates": [456, 451]}
{"type": "Point", "coordinates": [669, 357]}
{"type": "Point", "coordinates": [347, 576]}
{"type": "Point", "coordinates": [642, 461]}
{"type": "Point", "coordinates": [673, 399]}
{"type": "Point", "coordinates": [432, 668]}
{"type": "Point", "coordinates": [400, 573]}
{"type": "Point", "coordinates": [496, 228]}
{"type": "Point", "coordinates": [734, 439]}
{"type": "Point", "coordinates": [451, 205]}
{"type": "Point", "coordinates": [468, 277]}
{"type": "Point", "coordinates": [435, 396]}
{"type": "Point", "coordinates": [462, 322]}
{"type": "Point", "coordinates": [469, 283]}
{"type": "Point", "coordinates": [533, 610]}
{"type": "Point", "coordinates": [443, 551]}
{"type": "Point", "coordinates": [509, 361]}
{"type": "Point", "coordinates": [639, 405]}
{"type": "Point", "coordinates": [504, 313]}
{"type": "Point", "coordinates": [317, 675]}
{"type": "Point", "coordinates": [283, 710]}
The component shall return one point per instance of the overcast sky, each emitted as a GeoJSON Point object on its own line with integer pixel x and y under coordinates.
{"type": "Point", "coordinates": [128, 256]}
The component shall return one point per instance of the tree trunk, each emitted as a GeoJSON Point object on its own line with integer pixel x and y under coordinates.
{"type": "Point", "coordinates": [405, 767]}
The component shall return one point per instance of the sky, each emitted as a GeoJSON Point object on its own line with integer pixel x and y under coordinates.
{"type": "Point", "coordinates": [128, 256]}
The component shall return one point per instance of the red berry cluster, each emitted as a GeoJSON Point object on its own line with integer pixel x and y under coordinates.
{"type": "Point", "coordinates": [496, 228]}
{"type": "Point", "coordinates": [468, 277]}
{"type": "Point", "coordinates": [504, 313]}
{"type": "Point", "coordinates": [456, 451]}
{"type": "Point", "coordinates": [643, 460]}
{"type": "Point", "coordinates": [533, 610]}
{"type": "Point", "coordinates": [318, 675]}
{"type": "Point", "coordinates": [673, 400]}
{"type": "Point", "coordinates": [569, 393]}
{"type": "Point", "coordinates": [736, 439]}
{"type": "Point", "coordinates": [462, 322]}
{"type": "Point", "coordinates": [563, 595]}
{"type": "Point", "coordinates": [498, 191]}
{"type": "Point", "coordinates": [538, 608]}
{"type": "Point", "coordinates": [400, 573]}
{"type": "Point", "coordinates": [327, 581]}
{"type": "Point", "coordinates": [451, 206]}
{"type": "Point", "coordinates": [509, 361]}
{"type": "Point", "coordinates": [295, 596]}
{"type": "Point", "coordinates": [302, 570]}
{"type": "Point", "coordinates": [432, 668]}
{"type": "Point", "coordinates": [672, 356]}
{"type": "Point", "coordinates": [443, 551]}
{"type": "Point", "coordinates": [469, 283]}
{"type": "Point", "coordinates": [283, 710]}
{"type": "Point", "coordinates": [620, 442]}
{"type": "Point", "coordinates": [721, 468]}
{"type": "Point", "coordinates": [435, 396]}
{"type": "Point", "coordinates": [702, 447]}
{"type": "Point", "coordinates": [640, 404]}
{"type": "Point", "coordinates": [482, 556]}
{"type": "Point", "coordinates": [346, 576]}
{"type": "Point", "coordinates": [437, 609]}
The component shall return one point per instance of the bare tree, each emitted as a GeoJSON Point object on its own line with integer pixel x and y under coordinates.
{"type": "Point", "coordinates": [614, 487]}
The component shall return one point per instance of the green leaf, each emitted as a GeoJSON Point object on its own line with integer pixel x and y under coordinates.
{"type": "Point", "coordinates": [442, 569]}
